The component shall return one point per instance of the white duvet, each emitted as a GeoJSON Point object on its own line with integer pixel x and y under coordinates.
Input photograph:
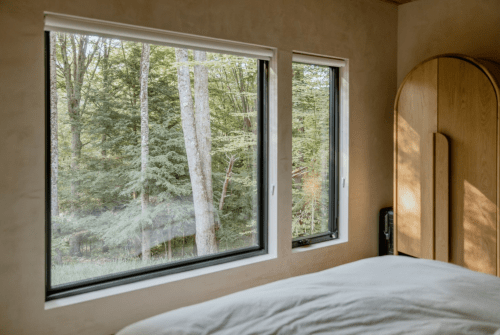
{"type": "Point", "coordinates": [381, 295]}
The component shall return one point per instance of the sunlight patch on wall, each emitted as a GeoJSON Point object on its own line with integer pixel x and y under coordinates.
{"type": "Point", "coordinates": [409, 211]}
{"type": "Point", "coordinates": [479, 222]}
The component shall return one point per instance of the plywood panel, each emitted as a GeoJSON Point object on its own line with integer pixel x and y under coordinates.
{"type": "Point", "coordinates": [493, 69]}
{"type": "Point", "coordinates": [441, 195]}
{"type": "Point", "coordinates": [468, 117]}
{"type": "Point", "coordinates": [416, 119]}
{"type": "Point", "coordinates": [398, 2]}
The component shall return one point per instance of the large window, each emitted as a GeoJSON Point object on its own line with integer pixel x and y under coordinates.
{"type": "Point", "coordinates": [315, 147]}
{"type": "Point", "coordinates": [156, 160]}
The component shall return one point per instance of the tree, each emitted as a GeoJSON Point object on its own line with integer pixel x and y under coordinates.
{"type": "Point", "coordinates": [54, 142]}
{"type": "Point", "coordinates": [229, 172]}
{"type": "Point", "coordinates": [105, 95]}
{"type": "Point", "coordinates": [146, 229]}
{"type": "Point", "coordinates": [203, 205]}
{"type": "Point", "coordinates": [139, 191]}
{"type": "Point", "coordinates": [202, 117]}
{"type": "Point", "coordinates": [233, 86]}
{"type": "Point", "coordinates": [310, 156]}
{"type": "Point", "coordinates": [54, 150]}
{"type": "Point", "coordinates": [76, 61]}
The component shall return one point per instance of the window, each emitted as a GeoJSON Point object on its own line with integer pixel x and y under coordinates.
{"type": "Point", "coordinates": [315, 150]}
{"type": "Point", "coordinates": [156, 154]}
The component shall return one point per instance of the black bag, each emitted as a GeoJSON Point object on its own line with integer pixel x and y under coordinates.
{"type": "Point", "coordinates": [386, 232]}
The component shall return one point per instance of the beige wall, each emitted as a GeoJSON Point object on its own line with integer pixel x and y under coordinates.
{"type": "Point", "coordinates": [431, 27]}
{"type": "Point", "coordinates": [362, 30]}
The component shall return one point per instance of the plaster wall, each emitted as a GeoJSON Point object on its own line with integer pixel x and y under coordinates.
{"type": "Point", "coordinates": [428, 27]}
{"type": "Point", "coordinates": [364, 31]}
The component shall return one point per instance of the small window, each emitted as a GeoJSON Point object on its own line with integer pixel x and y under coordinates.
{"type": "Point", "coordinates": [156, 160]}
{"type": "Point", "coordinates": [315, 147]}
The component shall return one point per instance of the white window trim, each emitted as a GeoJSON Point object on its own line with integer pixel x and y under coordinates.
{"type": "Point", "coordinates": [107, 292]}
{"type": "Point", "coordinates": [343, 65]}
{"type": "Point", "coordinates": [318, 60]}
{"type": "Point", "coordinates": [272, 226]}
{"type": "Point", "coordinates": [74, 24]}
{"type": "Point", "coordinates": [81, 25]}
{"type": "Point", "coordinates": [273, 237]}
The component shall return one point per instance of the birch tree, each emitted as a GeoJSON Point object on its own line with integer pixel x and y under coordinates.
{"type": "Point", "coordinates": [146, 229]}
{"type": "Point", "coordinates": [196, 141]}
{"type": "Point", "coordinates": [202, 117]}
{"type": "Point", "coordinates": [105, 92]}
{"type": "Point", "coordinates": [54, 145]}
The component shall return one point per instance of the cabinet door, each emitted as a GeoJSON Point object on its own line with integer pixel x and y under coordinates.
{"type": "Point", "coordinates": [467, 115]}
{"type": "Point", "coordinates": [416, 121]}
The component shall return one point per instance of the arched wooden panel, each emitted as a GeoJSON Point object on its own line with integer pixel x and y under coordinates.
{"type": "Point", "coordinates": [467, 115]}
{"type": "Point", "coordinates": [456, 96]}
{"type": "Point", "coordinates": [416, 119]}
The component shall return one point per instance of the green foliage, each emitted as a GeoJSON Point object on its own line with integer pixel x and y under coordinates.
{"type": "Point", "coordinates": [85, 269]}
{"type": "Point", "coordinates": [310, 149]}
{"type": "Point", "coordinates": [99, 189]}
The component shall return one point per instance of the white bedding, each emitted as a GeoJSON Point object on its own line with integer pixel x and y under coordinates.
{"type": "Point", "coordinates": [381, 295]}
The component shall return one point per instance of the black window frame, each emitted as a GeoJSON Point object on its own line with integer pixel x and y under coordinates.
{"type": "Point", "coordinates": [131, 276]}
{"type": "Point", "coordinates": [334, 147]}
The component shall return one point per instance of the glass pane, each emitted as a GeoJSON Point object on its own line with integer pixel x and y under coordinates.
{"type": "Point", "coordinates": [153, 155]}
{"type": "Point", "coordinates": [310, 149]}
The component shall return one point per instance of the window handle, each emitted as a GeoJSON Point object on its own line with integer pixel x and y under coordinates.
{"type": "Point", "coordinates": [304, 242]}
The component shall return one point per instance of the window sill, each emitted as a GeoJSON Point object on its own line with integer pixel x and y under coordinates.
{"type": "Point", "coordinates": [154, 282]}
{"type": "Point", "coordinates": [319, 245]}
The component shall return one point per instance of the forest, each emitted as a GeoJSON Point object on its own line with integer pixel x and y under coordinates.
{"type": "Point", "coordinates": [310, 149]}
{"type": "Point", "coordinates": [153, 154]}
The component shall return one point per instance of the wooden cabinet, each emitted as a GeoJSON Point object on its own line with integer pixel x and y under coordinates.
{"type": "Point", "coordinates": [446, 163]}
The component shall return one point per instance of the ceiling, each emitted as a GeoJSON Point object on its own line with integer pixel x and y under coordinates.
{"type": "Point", "coordinates": [398, 2]}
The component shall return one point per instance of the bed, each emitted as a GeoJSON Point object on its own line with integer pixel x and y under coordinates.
{"type": "Point", "coordinates": [380, 295]}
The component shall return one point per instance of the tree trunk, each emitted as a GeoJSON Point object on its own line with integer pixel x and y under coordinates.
{"type": "Point", "coordinates": [203, 203]}
{"type": "Point", "coordinates": [195, 249]}
{"type": "Point", "coordinates": [203, 132]}
{"type": "Point", "coordinates": [165, 244]}
{"type": "Point", "coordinates": [146, 229]}
{"type": "Point", "coordinates": [169, 231]}
{"type": "Point", "coordinates": [105, 93]}
{"type": "Point", "coordinates": [229, 172]}
{"type": "Point", "coordinates": [324, 177]}
{"type": "Point", "coordinates": [238, 76]}
{"type": "Point", "coordinates": [103, 145]}
{"type": "Point", "coordinates": [58, 259]}
{"type": "Point", "coordinates": [75, 244]}
{"type": "Point", "coordinates": [54, 141]}
{"type": "Point", "coordinates": [183, 241]}
{"type": "Point", "coordinates": [312, 217]}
